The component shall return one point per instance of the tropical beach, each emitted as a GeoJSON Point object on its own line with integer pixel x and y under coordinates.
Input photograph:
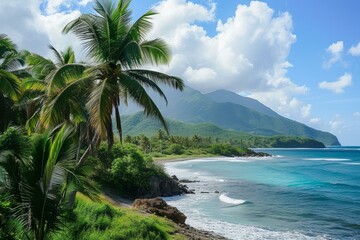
{"type": "Point", "coordinates": [179, 119]}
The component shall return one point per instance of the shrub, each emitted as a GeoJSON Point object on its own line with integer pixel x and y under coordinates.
{"type": "Point", "coordinates": [176, 149]}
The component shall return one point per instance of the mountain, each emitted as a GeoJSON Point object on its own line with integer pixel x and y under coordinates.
{"type": "Point", "coordinates": [138, 124]}
{"type": "Point", "coordinates": [223, 96]}
{"type": "Point", "coordinates": [232, 112]}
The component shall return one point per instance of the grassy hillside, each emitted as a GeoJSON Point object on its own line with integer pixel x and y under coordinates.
{"type": "Point", "coordinates": [101, 220]}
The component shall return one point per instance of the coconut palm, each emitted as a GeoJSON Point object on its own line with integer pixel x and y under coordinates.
{"type": "Point", "coordinates": [119, 48]}
{"type": "Point", "coordinates": [10, 84]}
{"type": "Point", "coordinates": [59, 90]}
{"type": "Point", "coordinates": [37, 176]}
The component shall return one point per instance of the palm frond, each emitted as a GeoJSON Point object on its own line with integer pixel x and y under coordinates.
{"type": "Point", "coordinates": [139, 95]}
{"type": "Point", "coordinates": [62, 75]}
{"type": "Point", "coordinates": [100, 104]}
{"type": "Point", "coordinates": [58, 107]}
{"type": "Point", "coordinates": [155, 52]}
{"type": "Point", "coordinates": [9, 84]}
{"type": "Point", "coordinates": [58, 56]}
{"type": "Point", "coordinates": [143, 80]}
{"type": "Point", "coordinates": [87, 28]}
{"type": "Point", "coordinates": [160, 78]}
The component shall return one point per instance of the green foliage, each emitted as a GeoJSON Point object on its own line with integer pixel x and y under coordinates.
{"type": "Point", "coordinates": [176, 149]}
{"type": "Point", "coordinates": [100, 221]}
{"type": "Point", "coordinates": [225, 150]}
{"type": "Point", "coordinates": [126, 168]}
{"type": "Point", "coordinates": [10, 228]}
{"type": "Point", "coordinates": [138, 124]}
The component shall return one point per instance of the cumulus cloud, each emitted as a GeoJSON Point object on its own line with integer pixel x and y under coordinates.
{"type": "Point", "coordinates": [355, 50]}
{"type": "Point", "coordinates": [247, 54]}
{"type": "Point", "coordinates": [334, 51]}
{"type": "Point", "coordinates": [339, 85]}
{"type": "Point", "coordinates": [34, 29]}
{"type": "Point", "coordinates": [336, 124]}
{"type": "Point", "coordinates": [315, 120]}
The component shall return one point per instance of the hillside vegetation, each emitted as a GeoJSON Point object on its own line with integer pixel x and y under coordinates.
{"type": "Point", "coordinates": [138, 124]}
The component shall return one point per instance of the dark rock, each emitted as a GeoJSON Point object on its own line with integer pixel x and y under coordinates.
{"type": "Point", "coordinates": [162, 186]}
{"type": "Point", "coordinates": [204, 192]}
{"type": "Point", "coordinates": [187, 181]}
{"type": "Point", "coordinates": [159, 207]}
{"type": "Point", "coordinates": [174, 177]}
{"type": "Point", "coordinates": [216, 192]}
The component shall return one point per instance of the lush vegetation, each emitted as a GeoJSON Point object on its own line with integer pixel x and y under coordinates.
{"type": "Point", "coordinates": [64, 110]}
{"type": "Point", "coordinates": [125, 168]}
{"type": "Point", "coordinates": [137, 124]}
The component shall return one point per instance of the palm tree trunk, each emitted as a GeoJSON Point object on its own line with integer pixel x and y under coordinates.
{"type": "Point", "coordinates": [88, 150]}
{"type": "Point", "coordinates": [118, 123]}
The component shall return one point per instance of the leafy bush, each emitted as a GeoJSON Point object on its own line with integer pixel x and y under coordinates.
{"type": "Point", "coordinates": [225, 150]}
{"type": "Point", "coordinates": [176, 149]}
{"type": "Point", "coordinates": [126, 168]}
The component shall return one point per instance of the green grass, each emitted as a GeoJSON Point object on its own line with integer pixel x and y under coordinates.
{"type": "Point", "coordinates": [100, 220]}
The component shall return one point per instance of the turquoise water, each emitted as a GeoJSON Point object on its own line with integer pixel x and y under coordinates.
{"type": "Point", "coordinates": [297, 194]}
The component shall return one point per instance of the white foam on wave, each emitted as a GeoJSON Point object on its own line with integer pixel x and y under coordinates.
{"type": "Point", "coordinates": [328, 159]}
{"type": "Point", "coordinates": [237, 231]}
{"type": "Point", "coordinates": [224, 198]}
{"type": "Point", "coordinates": [351, 163]}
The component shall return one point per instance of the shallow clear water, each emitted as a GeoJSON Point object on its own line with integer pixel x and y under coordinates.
{"type": "Point", "coordinates": [297, 194]}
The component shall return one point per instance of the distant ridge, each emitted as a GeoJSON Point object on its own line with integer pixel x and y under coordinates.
{"type": "Point", "coordinates": [223, 96]}
{"type": "Point", "coordinates": [138, 124]}
{"type": "Point", "coordinates": [232, 112]}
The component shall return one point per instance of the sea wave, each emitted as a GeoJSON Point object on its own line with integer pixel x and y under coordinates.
{"type": "Point", "coordinates": [328, 159]}
{"type": "Point", "coordinates": [352, 163]}
{"type": "Point", "coordinates": [224, 198]}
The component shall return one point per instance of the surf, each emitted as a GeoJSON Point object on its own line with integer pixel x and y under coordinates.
{"type": "Point", "coordinates": [224, 198]}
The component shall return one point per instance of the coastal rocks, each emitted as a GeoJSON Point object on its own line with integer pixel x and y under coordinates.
{"type": "Point", "coordinates": [163, 186]}
{"type": "Point", "coordinates": [159, 207]}
{"type": "Point", "coordinates": [187, 181]}
{"type": "Point", "coordinates": [252, 153]}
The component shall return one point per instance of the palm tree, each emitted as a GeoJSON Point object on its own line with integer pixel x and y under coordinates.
{"type": "Point", "coordinates": [10, 84]}
{"type": "Point", "coordinates": [38, 176]}
{"type": "Point", "coordinates": [60, 94]}
{"type": "Point", "coordinates": [119, 48]}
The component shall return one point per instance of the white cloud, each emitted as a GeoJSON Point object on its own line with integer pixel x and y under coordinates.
{"type": "Point", "coordinates": [33, 29]}
{"type": "Point", "coordinates": [357, 114]}
{"type": "Point", "coordinates": [247, 54]}
{"type": "Point", "coordinates": [355, 50]}
{"type": "Point", "coordinates": [335, 51]}
{"type": "Point", "coordinates": [339, 85]}
{"type": "Point", "coordinates": [315, 120]}
{"type": "Point", "coordinates": [336, 125]}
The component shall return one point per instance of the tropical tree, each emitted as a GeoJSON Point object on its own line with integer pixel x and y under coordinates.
{"type": "Point", "coordinates": [119, 48]}
{"type": "Point", "coordinates": [37, 177]}
{"type": "Point", "coordinates": [59, 90]}
{"type": "Point", "coordinates": [10, 85]}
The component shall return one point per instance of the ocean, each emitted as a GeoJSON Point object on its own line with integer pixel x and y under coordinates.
{"type": "Point", "coordinates": [296, 194]}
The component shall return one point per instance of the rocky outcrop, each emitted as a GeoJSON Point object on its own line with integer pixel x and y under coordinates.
{"type": "Point", "coordinates": [163, 186]}
{"type": "Point", "coordinates": [252, 153]}
{"type": "Point", "coordinates": [159, 207]}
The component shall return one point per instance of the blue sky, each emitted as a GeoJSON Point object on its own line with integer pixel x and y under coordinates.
{"type": "Point", "coordinates": [301, 58]}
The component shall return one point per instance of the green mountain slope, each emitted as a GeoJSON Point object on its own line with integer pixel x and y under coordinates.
{"type": "Point", "coordinates": [194, 107]}
{"type": "Point", "coordinates": [223, 96]}
{"type": "Point", "coordinates": [232, 112]}
{"type": "Point", "coordinates": [138, 124]}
